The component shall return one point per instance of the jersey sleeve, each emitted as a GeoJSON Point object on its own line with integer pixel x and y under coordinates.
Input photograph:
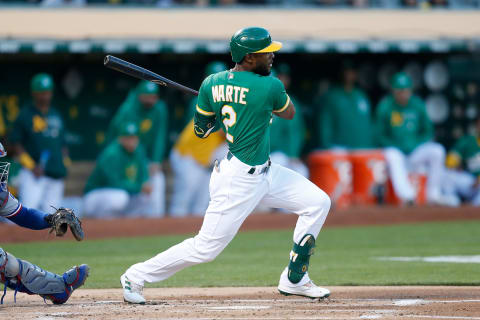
{"type": "Point", "coordinates": [203, 106]}
{"type": "Point", "coordinates": [280, 98]}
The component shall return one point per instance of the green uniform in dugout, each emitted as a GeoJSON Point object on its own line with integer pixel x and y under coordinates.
{"type": "Point", "coordinates": [244, 101]}
{"type": "Point", "coordinates": [118, 168]}
{"type": "Point", "coordinates": [151, 118]}
{"type": "Point", "coordinates": [403, 126]}
{"type": "Point", "coordinates": [466, 151]}
{"type": "Point", "coordinates": [41, 133]}
{"type": "Point", "coordinates": [345, 120]}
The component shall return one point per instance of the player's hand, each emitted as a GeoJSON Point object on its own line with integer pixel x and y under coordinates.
{"type": "Point", "coordinates": [146, 188]}
{"type": "Point", "coordinates": [38, 171]}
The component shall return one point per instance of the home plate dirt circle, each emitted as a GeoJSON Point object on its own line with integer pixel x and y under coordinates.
{"type": "Point", "coordinates": [253, 303]}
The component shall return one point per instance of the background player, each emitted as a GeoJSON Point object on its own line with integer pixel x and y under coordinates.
{"type": "Point", "coordinates": [21, 275]}
{"type": "Point", "coordinates": [406, 133]}
{"type": "Point", "coordinates": [150, 114]}
{"type": "Point", "coordinates": [38, 137]}
{"type": "Point", "coordinates": [462, 180]}
{"type": "Point", "coordinates": [244, 98]}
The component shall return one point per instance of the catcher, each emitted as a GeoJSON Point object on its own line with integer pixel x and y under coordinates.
{"type": "Point", "coordinates": [23, 276]}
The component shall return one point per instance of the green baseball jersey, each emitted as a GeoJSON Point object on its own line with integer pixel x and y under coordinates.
{"type": "Point", "coordinates": [42, 136]}
{"type": "Point", "coordinates": [345, 120]}
{"type": "Point", "coordinates": [117, 168]}
{"type": "Point", "coordinates": [404, 127]}
{"type": "Point", "coordinates": [468, 149]}
{"type": "Point", "coordinates": [288, 136]}
{"type": "Point", "coordinates": [152, 124]}
{"type": "Point", "coordinates": [244, 101]}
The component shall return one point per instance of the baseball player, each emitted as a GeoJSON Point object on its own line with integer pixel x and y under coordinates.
{"type": "Point", "coordinates": [38, 137]}
{"type": "Point", "coordinates": [345, 118]}
{"type": "Point", "coordinates": [191, 159]}
{"type": "Point", "coordinates": [406, 133]}
{"type": "Point", "coordinates": [119, 183]}
{"type": "Point", "coordinates": [462, 180]}
{"type": "Point", "coordinates": [143, 107]}
{"type": "Point", "coordinates": [21, 275]}
{"type": "Point", "coordinates": [288, 136]}
{"type": "Point", "coordinates": [244, 100]}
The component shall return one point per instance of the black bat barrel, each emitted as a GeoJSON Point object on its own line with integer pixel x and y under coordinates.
{"type": "Point", "coordinates": [142, 73]}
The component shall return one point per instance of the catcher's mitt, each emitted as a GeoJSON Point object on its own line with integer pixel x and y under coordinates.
{"type": "Point", "coordinates": [62, 219]}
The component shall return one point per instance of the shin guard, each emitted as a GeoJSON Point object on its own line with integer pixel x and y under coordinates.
{"type": "Point", "coordinates": [300, 258]}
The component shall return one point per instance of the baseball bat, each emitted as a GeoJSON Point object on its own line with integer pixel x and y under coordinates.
{"type": "Point", "coordinates": [144, 74]}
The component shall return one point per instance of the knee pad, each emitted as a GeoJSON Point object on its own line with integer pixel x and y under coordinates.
{"type": "Point", "coordinates": [9, 266]}
{"type": "Point", "coordinates": [300, 258]}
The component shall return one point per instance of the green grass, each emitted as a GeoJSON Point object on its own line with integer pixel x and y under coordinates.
{"type": "Point", "coordinates": [344, 256]}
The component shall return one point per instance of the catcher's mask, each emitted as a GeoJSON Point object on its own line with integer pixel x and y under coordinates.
{"type": "Point", "coordinates": [4, 169]}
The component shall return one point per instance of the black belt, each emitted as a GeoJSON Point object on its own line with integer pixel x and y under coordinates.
{"type": "Point", "coordinates": [252, 169]}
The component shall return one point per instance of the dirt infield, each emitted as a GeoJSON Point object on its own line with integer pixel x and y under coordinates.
{"type": "Point", "coordinates": [95, 229]}
{"type": "Point", "coordinates": [256, 303]}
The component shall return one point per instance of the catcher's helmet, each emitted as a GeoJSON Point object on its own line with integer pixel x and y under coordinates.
{"type": "Point", "coordinates": [252, 40]}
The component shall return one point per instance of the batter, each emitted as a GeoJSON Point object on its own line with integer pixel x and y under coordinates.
{"type": "Point", "coordinates": [244, 98]}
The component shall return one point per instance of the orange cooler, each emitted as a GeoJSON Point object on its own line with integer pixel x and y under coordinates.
{"type": "Point", "coordinates": [419, 182]}
{"type": "Point", "coordinates": [369, 176]}
{"type": "Point", "coordinates": [332, 172]}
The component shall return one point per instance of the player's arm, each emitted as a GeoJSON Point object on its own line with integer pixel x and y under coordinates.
{"type": "Point", "coordinates": [288, 113]}
{"type": "Point", "coordinates": [11, 209]}
{"type": "Point", "coordinates": [282, 105]}
{"type": "Point", "coordinates": [204, 118]}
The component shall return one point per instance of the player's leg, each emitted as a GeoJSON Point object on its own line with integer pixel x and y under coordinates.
{"type": "Point", "coordinates": [53, 194]}
{"type": "Point", "coordinates": [431, 156]}
{"type": "Point", "coordinates": [185, 181]}
{"type": "Point", "coordinates": [157, 197]}
{"type": "Point", "coordinates": [291, 191]}
{"type": "Point", "coordinates": [234, 193]}
{"type": "Point", "coordinates": [105, 203]}
{"type": "Point", "coordinates": [23, 276]}
{"type": "Point", "coordinates": [30, 189]}
{"type": "Point", "coordinates": [398, 172]}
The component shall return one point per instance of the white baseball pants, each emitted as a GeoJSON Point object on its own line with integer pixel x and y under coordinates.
{"type": "Point", "coordinates": [157, 197]}
{"type": "Point", "coordinates": [428, 157]}
{"type": "Point", "coordinates": [234, 194]}
{"type": "Point", "coordinates": [110, 203]}
{"type": "Point", "coordinates": [190, 186]}
{"type": "Point", "coordinates": [461, 184]}
{"type": "Point", "coordinates": [39, 193]}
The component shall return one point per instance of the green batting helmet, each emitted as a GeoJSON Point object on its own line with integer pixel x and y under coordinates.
{"type": "Point", "coordinates": [214, 67]}
{"type": "Point", "coordinates": [42, 82]}
{"type": "Point", "coordinates": [252, 40]}
{"type": "Point", "coordinates": [401, 81]}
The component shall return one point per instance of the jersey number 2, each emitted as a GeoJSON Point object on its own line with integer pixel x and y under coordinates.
{"type": "Point", "coordinates": [230, 119]}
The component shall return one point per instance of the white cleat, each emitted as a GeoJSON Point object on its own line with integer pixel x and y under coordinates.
{"type": "Point", "coordinates": [132, 292]}
{"type": "Point", "coordinates": [309, 290]}
{"type": "Point", "coordinates": [305, 288]}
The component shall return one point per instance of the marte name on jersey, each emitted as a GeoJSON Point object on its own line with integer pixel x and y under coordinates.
{"type": "Point", "coordinates": [229, 93]}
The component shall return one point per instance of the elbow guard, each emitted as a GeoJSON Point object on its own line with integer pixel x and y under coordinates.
{"type": "Point", "coordinates": [204, 125]}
